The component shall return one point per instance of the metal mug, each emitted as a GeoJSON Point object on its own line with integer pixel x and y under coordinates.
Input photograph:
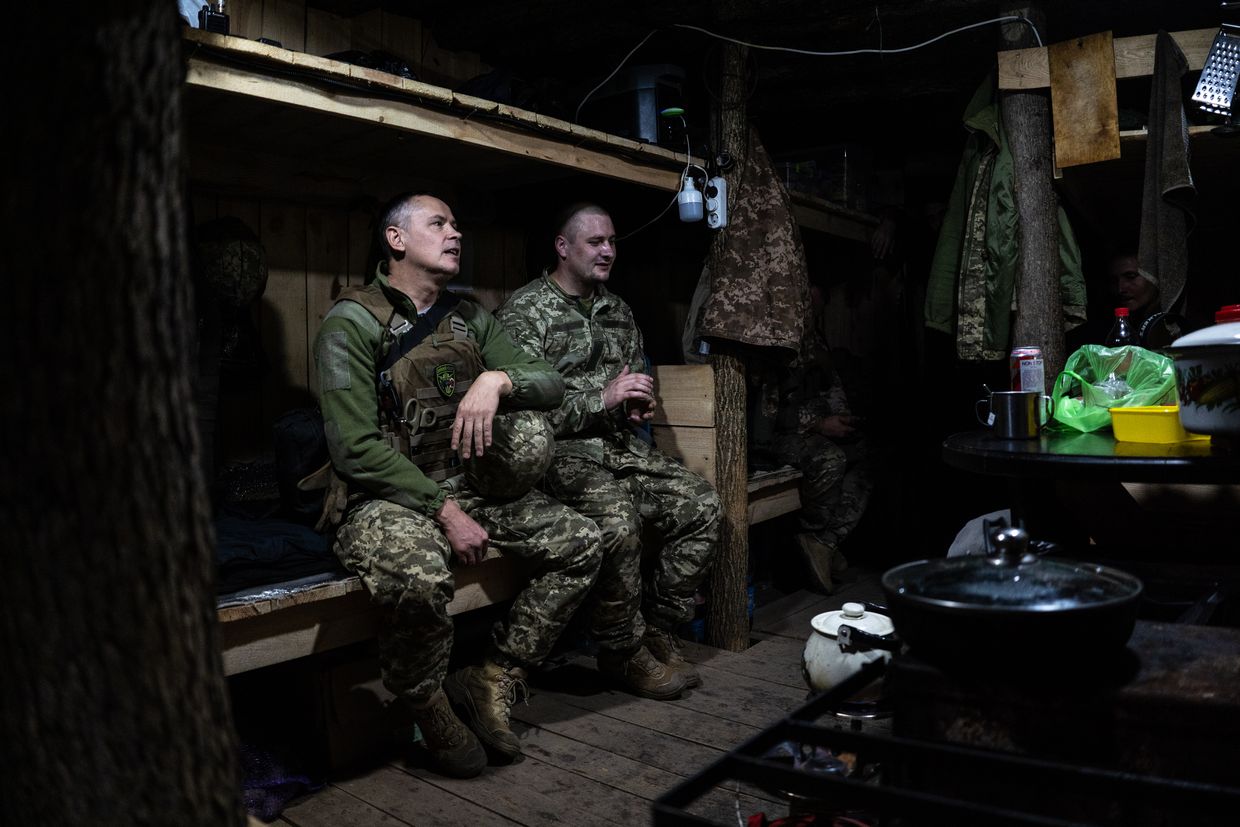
{"type": "Point", "coordinates": [1015, 414]}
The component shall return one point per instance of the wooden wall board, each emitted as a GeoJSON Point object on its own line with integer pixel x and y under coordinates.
{"type": "Point", "coordinates": [285, 22]}
{"type": "Point", "coordinates": [284, 310]}
{"type": "Point", "coordinates": [1134, 57]}
{"type": "Point", "coordinates": [327, 33]}
{"type": "Point", "coordinates": [327, 272]}
{"type": "Point", "coordinates": [686, 395]}
{"type": "Point", "coordinates": [403, 37]}
{"type": "Point", "coordinates": [245, 18]}
{"type": "Point", "coordinates": [695, 447]}
{"type": "Point", "coordinates": [366, 30]}
{"type": "Point", "coordinates": [1084, 109]}
{"type": "Point", "coordinates": [239, 435]}
{"type": "Point", "coordinates": [361, 242]}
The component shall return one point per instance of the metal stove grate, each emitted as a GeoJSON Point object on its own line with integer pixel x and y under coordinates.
{"type": "Point", "coordinates": [911, 787]}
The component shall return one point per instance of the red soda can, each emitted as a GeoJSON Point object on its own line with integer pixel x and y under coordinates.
{"type": "Point", "coordinates": [1028, 373]}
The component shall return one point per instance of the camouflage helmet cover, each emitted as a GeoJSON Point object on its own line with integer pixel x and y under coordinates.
{"type": "Point", "coordinates": [522, 446]}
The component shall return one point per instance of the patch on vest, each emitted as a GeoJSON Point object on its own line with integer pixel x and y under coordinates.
{"type": "Point", "coordinates": [445, 379]}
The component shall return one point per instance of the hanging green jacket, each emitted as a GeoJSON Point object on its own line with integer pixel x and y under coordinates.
{"type": "Point", "coordinates": [971, 291]}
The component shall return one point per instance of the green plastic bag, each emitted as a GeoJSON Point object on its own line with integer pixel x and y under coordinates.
{"type": "Point", "coordinates": [1096, 378]}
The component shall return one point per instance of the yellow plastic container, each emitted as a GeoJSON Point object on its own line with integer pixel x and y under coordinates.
{"type": "Point", "coordinates": [1150, 423]}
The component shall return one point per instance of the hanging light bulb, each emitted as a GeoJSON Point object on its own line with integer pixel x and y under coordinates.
{"type": "Point", "coordinates": [689, 201]}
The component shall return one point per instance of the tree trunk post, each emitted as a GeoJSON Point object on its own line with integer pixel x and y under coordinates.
{"type": "Point", "coordinates": [727, 625]}
{"type": "Point", "coordinates": [1027, 124]}
{"type": "Point", "coordinates": [113, 706]}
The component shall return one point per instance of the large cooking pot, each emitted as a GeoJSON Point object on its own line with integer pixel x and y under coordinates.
{"type": "Point", "coordinates": [1012, 606]}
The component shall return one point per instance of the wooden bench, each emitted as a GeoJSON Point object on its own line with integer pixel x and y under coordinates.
{"type": "Point", "coordinates": [269, 631]}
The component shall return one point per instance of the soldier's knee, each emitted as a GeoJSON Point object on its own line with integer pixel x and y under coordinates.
{"type": "Point", "coordinates": [579, 545]}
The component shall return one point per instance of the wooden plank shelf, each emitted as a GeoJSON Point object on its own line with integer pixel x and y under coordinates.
{"type": "Point", "coordinates": [294, 124]}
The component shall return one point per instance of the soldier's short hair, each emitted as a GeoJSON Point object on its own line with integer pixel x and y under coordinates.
{"type": "Point", "coordinates": [566, 217]}
{"type": "Point", "coordinates": [395, 213]}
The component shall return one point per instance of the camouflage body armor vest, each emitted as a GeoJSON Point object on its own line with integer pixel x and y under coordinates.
{"type": "Point", "coordinates": [419, 394]}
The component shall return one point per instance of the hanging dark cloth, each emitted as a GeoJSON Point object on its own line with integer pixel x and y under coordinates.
{"type": "Point", "coordinates": [1167, 202]}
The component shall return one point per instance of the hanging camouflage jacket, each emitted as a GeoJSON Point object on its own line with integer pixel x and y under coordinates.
{"type": "Point", "coordinates": [589, 346]}
{"type": "Point", "coordinates": [348, 351]}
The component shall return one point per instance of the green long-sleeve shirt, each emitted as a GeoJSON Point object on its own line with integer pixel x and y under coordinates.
{"type": "Point", "coordinates": [589, 344]}
{"type": "Point", "coordinates": [347, 351]}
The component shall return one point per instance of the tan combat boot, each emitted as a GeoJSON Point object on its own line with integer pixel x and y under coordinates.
{"type": "Point", "coordinates": [453, 748]}
{"type": "Point", "coordinates": [665, 647]}
{"type": "Point", "coordinates": [640, 673]}
{"type": "Point", "coordinates": [821, 559]}
{"type": "Point", "coordinates": [485, 695]}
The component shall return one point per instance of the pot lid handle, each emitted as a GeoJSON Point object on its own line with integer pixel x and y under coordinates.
{"type": "Point", "coordinates": [1011, 547]}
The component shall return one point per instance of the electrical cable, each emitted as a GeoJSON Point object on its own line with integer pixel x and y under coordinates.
{"type": "Point", "coordinates": [688, 164]}
{"type": "Point", "coordinates": [577, 114]}
{"type": "Point", "coordinates": [880, 51]}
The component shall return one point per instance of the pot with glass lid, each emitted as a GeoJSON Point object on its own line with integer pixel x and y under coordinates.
{"type": "Point", "coordinates": [1012, 606]}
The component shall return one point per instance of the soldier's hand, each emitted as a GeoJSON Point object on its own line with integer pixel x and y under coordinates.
{"type": "Point", "coordinates": [628, 386]}
{"type": "Point", "coordinates": [467, 539]}
{"type": "Point", "coordinates": [471, 430]}
{"type": "Point", "coordinates": [334, 503]}
{"type": "Point", "coordinates": [639, 410]}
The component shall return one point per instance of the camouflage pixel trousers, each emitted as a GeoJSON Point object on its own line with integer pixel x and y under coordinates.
{"type": "Point", "coordinates": [403, 559]}
{"type": "Point", "coordinates": [835, 486]}
{"type": "Point", "coordinates": [618, 494]}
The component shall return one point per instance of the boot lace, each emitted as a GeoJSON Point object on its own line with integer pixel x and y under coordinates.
{"type": "Point", "coordinates": [444, 726]}
{"type": "Point", "coordinates": [512, 688]}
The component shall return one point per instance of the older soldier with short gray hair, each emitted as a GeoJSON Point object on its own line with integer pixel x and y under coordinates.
{"type": "Point", "coordinates": [431, 418]}
{"type": "Point", "coordinates": [604, 469]}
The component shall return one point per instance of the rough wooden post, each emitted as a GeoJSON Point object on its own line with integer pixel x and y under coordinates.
{"type": "Point", "coordinates": [1026, 121]}
{"type": "Point", "coordinates": [727, 625]}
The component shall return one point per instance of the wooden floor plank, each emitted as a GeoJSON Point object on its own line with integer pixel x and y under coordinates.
{"type": "Point", "coordinates": [535, 793]}
{"type": "Point", "coordinates": [724, 711]}
{"type": "Point", "coordinates": [776, 659]}
{"type": "Point", "coordinates": [596, 755]}
{"type": "Point", "coordinates": [618, 739]}
{"type": "Point", "coordinates": [657, 749]}
{"type": "Point", "coordinates": [660, 716]}
{"type": "Point", "coordinates": [414, 801]}
{"type": "Point", "coordinates": [333, 807]}
{"type": "Point", "coordinates": [773, 614]}
{"type": "Point", "coordinates": [635, 776]}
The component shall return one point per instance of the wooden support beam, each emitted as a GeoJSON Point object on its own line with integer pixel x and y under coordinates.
{"type": "Point", "coordinates": [727, 622]}
{"type": "Point", "coordinates": [1039, 309]}
{"type": "Point", "coordinates": [1027, 69]}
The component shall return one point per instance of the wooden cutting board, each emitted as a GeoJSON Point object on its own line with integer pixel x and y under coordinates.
{"type": "Point", "coordinates": [1083, 106]}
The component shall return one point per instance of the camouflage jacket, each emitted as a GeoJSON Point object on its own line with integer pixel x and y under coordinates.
{"type": "Point", "coordinates": [589, 348]}
{"type": "Point", "coordinates": [347, 351]}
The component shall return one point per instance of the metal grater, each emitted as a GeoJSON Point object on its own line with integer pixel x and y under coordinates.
{"type": "Point", "coordinates": [1218, 76]}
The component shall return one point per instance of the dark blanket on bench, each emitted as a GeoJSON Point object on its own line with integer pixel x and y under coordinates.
{"type": "Point", "coordinates": [257, 552]}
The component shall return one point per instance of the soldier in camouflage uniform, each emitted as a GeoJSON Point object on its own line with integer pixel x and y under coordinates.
{"type": "Point", "coordinates": [604, 469]}
{"type": "Point", "coordinates": [811, 428]}
{"type": "Point", "coordinates": [410, 410]}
